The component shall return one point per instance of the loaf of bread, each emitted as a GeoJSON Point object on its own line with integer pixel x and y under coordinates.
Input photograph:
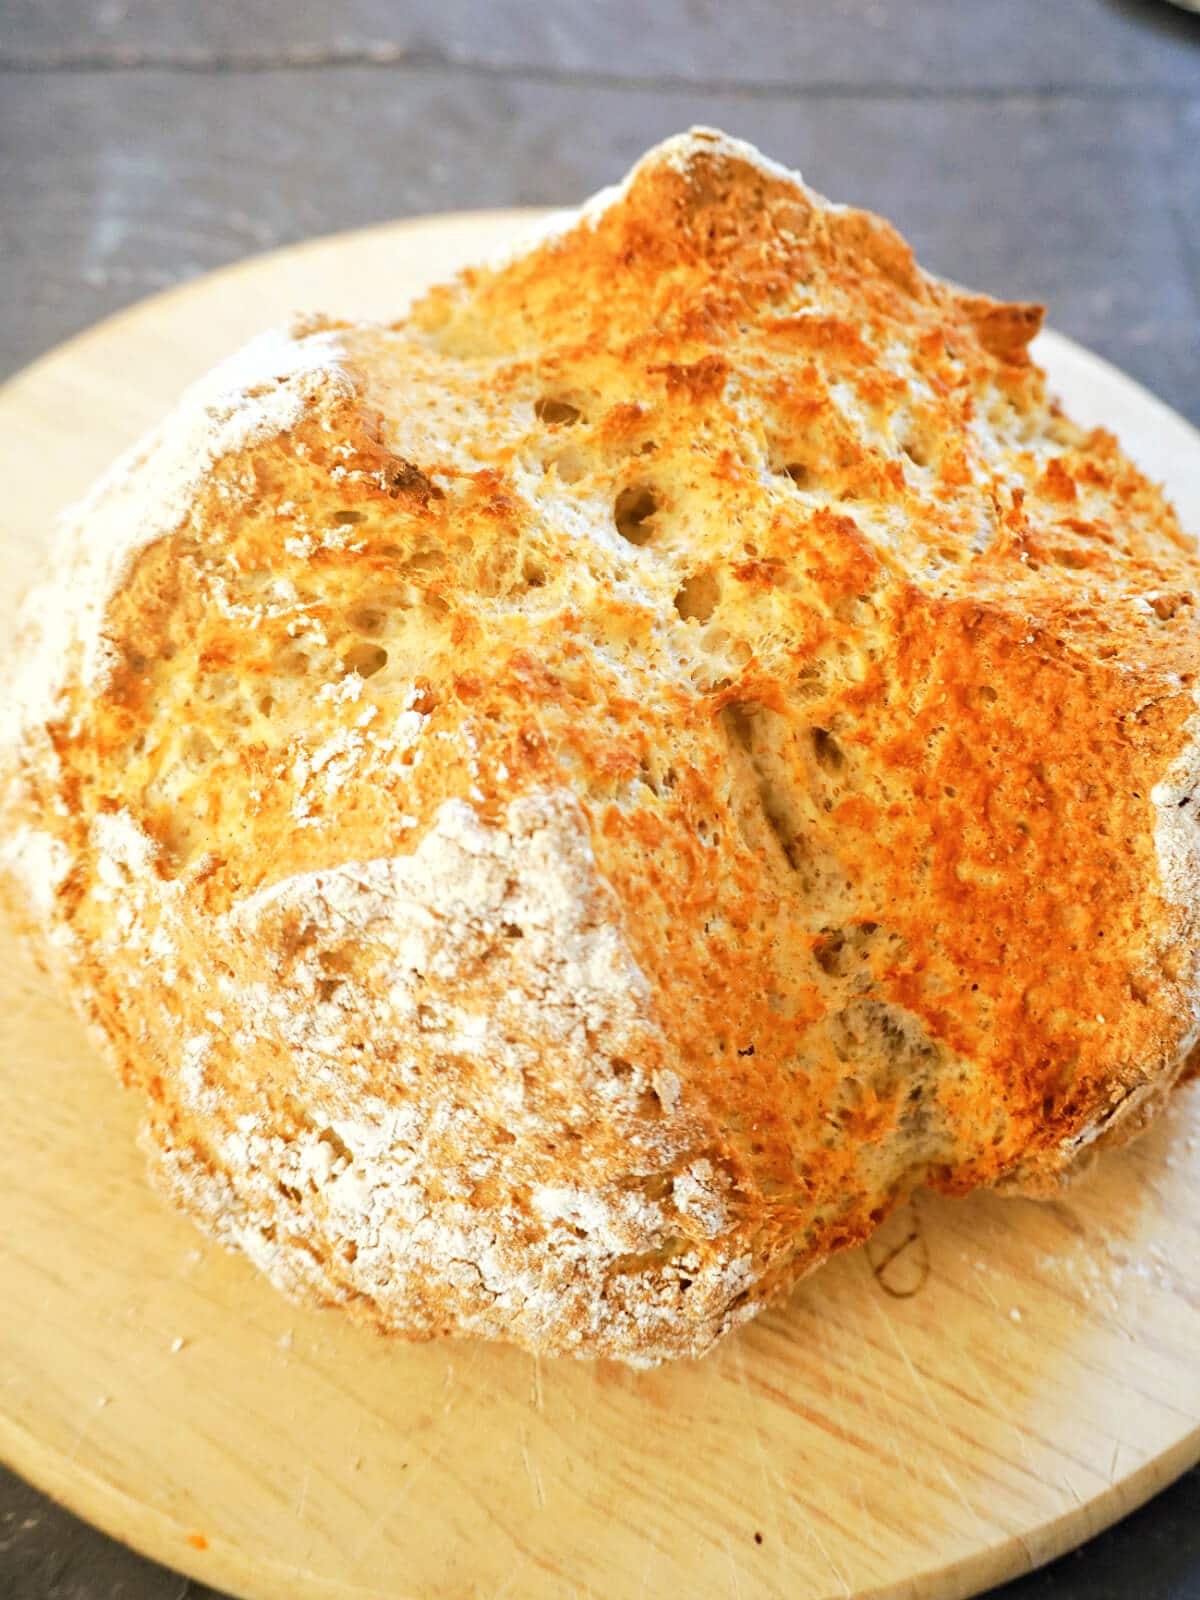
{"type": "Point", "coordinates": [569, 807]}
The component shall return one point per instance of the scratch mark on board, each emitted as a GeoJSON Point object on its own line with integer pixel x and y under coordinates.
{"type": "Point", "coordinates": [531, 1471]}
{"type": "Point", "coordinates": [934, 1410]}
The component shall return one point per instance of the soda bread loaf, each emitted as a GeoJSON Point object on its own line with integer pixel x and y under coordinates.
{"type": "Point", "coordinates": [567, 808]}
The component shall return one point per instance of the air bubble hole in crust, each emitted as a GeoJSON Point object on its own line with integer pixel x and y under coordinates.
{"type": "Point", "coordinates": [827, 952]}
{"type": "Point", "coordinates": [368, 620]}
{"type": "Point", "coordinates": [696, 599]}
{"type": "Point", "coordinates": [365, 658]}
{"type": "Point", "coordinates": [827, 750]}
{"type": "Point", "coordinates": [345, 517]}
{"type": "Point", "coordinates": [424, 560]}
{"type": "Point", "coordinates": [555, 412]}
{"type": "Point", "coordinates": [198, 749]}
{"type": "Point", "coordinates": [632, 513]}
{"type": "Point", "coordinates": [291, 661]}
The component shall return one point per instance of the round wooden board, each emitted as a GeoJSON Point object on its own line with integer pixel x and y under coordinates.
{"type": "Point", "coordinates": [1040, 1383]}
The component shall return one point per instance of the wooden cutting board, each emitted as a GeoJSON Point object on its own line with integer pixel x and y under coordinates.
{"type": "Point", "coordinates": [987, 1384]}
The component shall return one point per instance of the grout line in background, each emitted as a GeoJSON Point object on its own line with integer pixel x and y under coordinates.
{"type": "Point", "coordinates": [399, 58]}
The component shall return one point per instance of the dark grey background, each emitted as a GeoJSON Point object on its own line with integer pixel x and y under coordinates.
{"type": "Point", "coordinates": [1040, 149]}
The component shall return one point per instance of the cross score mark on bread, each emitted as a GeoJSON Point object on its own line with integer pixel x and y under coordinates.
{"type": "Point", "coordinates": [570, 807]}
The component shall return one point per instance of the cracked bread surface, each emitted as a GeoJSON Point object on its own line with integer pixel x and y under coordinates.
{"type": "Point", "coordinates": [569, 807]}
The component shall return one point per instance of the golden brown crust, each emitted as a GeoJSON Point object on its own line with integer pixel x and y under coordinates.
{"type": "Point", "coordinates": [590, 795]}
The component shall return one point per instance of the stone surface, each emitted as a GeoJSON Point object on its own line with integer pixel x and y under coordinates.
{"type": "Point", "coordinates": [1185, 197]}
{"type": "Point", "coordinates": [934, 46]}
{"type": "Point", "coordinates": [1043, 151]}
{"type": "Point", "coordinates": [47, 1554]}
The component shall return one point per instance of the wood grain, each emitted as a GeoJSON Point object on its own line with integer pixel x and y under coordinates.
{"type": "Point", "coordinates": [989, 1383]}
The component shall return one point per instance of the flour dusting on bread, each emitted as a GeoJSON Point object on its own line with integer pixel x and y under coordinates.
{"type": "Point", "coordinates": [259, 392]}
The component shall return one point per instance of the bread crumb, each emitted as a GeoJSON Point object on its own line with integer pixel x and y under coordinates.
{"type": "Point", "coordinates": [574, 1063]}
